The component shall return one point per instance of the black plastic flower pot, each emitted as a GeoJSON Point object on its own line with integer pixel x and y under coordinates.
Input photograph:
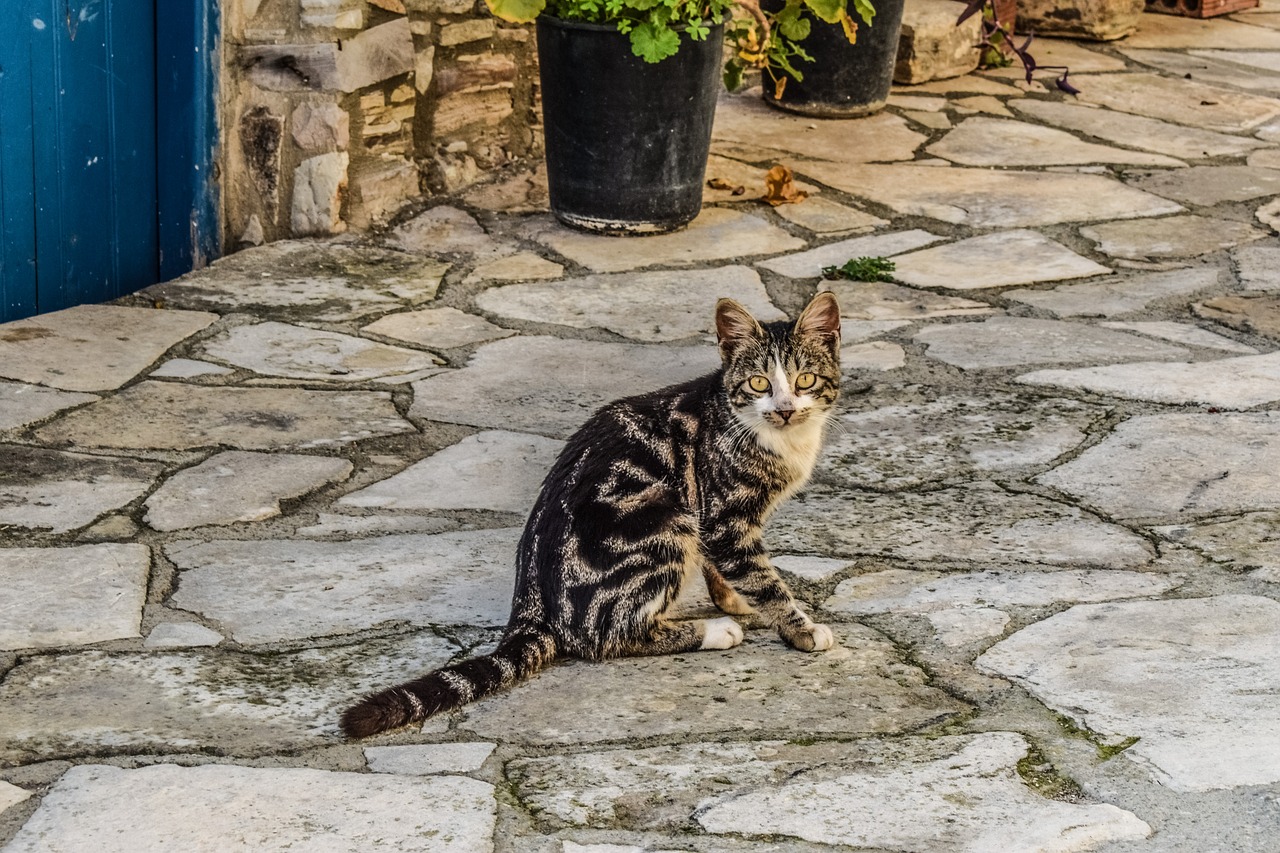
{"type": "Point", "coordinates": [844, 80]}
{"type": "Point", "coordinates": [626, 141]}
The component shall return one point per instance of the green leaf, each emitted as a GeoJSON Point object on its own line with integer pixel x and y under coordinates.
{"type": "Point", "coordinates": [862, 269]}
{"type": "Point", "coordinates": [830, 11]}
{"type": "Point", "coordinates": [865, 10]}
{"type": "Point", "coordinates": [733, 70]}
{"type": "Point", "coordinates": [653, 44]}
{"type": "Point", "coordinates": [697, 30]}
{"type": "Point", "coordinates": [791, 25]}
{"type": "Point", "coordinates": [519, 11]}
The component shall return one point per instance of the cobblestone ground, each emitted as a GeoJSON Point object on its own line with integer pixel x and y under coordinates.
{"type": "Point", "coordinates": [1044, 530]}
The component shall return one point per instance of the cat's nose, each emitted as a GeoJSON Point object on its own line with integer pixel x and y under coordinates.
{"type": "Point", "coordinates": [785, 414]}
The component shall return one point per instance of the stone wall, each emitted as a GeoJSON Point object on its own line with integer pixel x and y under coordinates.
{"type": "Point", "coordinates": [334, 113]}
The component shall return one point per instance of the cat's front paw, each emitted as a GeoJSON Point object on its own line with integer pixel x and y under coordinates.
{"type": "Point", "coordinates": [722, 633]}
{"type": "Point", "coordinates": [814, 638]}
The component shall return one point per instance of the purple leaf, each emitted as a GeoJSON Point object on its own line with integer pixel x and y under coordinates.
{"type": "Point", "coordinates": [970, 10]}
{"type": "Point", "coordinates": [1065, 86]}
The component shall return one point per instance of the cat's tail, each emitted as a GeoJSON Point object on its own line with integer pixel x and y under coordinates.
{"type": "Point", "coordinates": [521, 654]}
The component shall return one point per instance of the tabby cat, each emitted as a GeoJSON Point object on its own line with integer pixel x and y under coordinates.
{"type": "Point", "coordinates": [651, 490]}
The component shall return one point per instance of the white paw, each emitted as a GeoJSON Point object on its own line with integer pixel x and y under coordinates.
{"type": "Point", "coordinates": [823, 639]}
{"type": "Point", "coordinates": [722, 633]}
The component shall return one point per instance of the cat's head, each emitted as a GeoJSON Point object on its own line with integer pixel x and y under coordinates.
{"type": "Point", "coordinates": [781, 376]}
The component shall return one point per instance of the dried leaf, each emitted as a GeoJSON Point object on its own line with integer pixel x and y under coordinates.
{"type": "Point", "coordinates": [850, 28]}
{"type": "Point", "coordinates": [780, 187]}
{"type": "Point", "coordinates": [779, 87]}
{"type": "Point", "coordinates": [720, 184]}
{"type": "Point", "coordinates": [739, 190]}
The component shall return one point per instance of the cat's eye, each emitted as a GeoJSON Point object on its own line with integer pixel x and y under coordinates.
{"type": "Point", "coordinates": [758, 383]}
{"type": "Point", "coordinates": [806, 381]}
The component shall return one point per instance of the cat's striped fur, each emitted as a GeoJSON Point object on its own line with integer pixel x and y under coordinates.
{"type": "Point", "coordinates": [652, 490]}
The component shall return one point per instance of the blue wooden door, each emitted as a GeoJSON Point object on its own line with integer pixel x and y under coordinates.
{"type": "Point", "coordinates": [78, 165]}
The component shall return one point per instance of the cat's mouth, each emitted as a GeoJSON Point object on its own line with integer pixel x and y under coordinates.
{"type": "Point", "coordinates": [785, 419]}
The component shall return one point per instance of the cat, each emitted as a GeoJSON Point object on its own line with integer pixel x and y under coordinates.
{"type": "Point", "coordinates": [650, 491]}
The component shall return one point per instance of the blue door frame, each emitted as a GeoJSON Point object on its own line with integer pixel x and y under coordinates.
{"type": "Point", "coordinates": [107, 141]}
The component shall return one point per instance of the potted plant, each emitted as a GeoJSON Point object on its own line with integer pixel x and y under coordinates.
{"type": "Point", "coordinates": [628, 98]}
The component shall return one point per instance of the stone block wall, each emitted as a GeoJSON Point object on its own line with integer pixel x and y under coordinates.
{"type": "Point", "coordinates": [335, 113]}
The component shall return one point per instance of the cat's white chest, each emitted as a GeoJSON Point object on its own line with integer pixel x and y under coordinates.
{"type": "Point", "coordinates": [798, 447]}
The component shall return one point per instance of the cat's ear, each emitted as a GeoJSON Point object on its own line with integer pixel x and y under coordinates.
{"type": "Point", "coordinates": [821, 318]}
{"type": "Point", "coordinates": [735, 326]}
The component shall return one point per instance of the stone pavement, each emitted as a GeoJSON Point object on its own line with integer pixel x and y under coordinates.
{"type": "Point", "coordinates": [1044, 532]}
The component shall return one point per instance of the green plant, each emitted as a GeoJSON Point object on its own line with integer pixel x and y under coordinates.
{"type": "Point", "coordinates": [862, 269]}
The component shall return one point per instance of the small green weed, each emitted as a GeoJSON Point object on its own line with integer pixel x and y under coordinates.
{"type": "Point", "coordinates": [862, 269]}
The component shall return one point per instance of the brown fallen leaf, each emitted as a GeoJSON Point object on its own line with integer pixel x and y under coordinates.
{"type": "Point", "coordinates": [779, 86]}
{"type": "Point", "coordinates": [780, 187]}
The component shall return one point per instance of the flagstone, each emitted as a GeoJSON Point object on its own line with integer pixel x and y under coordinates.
{"type": "Point", "coordinates": [1118, 294]}
{"type": "Point", "coordinates": [824, 216]}
{"type": "Point", "coordinates": [1269, 215]}
{"type": "Point", "coordinates": [11, 795]}
{"type": "Point", "coordinates": [1012, 341]}
{"type": "Point", "coordinates": [880, 301]}
{"type": "Point", "coordinates": [861, 686]}
{"type": "Point", "coordinates": [522, 266]}
{"type": "Point", "coordinates": [222, 702]}
{"type": "Point", "coordinates": [994, 260]}
{"type": "Point", "coordinates": [437, 328]}
{"type": "Point", "coordinates": [1258, 314]}
{"type": "Point", "coordinates": [523, 192]}
{"type": "Point", "coordinates": [56, 491]}
{"type": "Point", "coordinates": [960, 626]}
{"type": "Point", "coordinates": [1183, 333]}
{"type": "Point", "coordinates": [550, 386]}
{"type": "Point", "coordinates": [985, 198]}
{"type": "Point", "coordinates": [1060, 52]}
{"type": "Point", "coordinates": [1190, 681]}
{"type": "Point", "coordinates": [357, 526]}
{"type": "Point", "coordinates": [811, 263]}
{"type": "Point", "coordinates": [809, 568]}
{"type": "Point", "coordinates": [307, 279]}
{"type": "Point", "coordinates": [1148, 134]}
{"type": "Point", "coordinates": [22, 404]}
{"type": "Point", "coordinates": [239, 486]}
{"type": "Point", "coordinates": [718, 233]}
{"type": "Point", "coordinates": [913, 442]}
{"type": "Point", "coordinates": [1268, 158]}
{"type": "Point", "coordinates": [272, 590]}
{"type": "Point", "coordinates": [1175, 32]}
{"type": "Point", "coordinates": [1209, 185]}
{"type": "Point", "coordinates": [1213, 67]}
{"type": "Point", "coordinates": [933, 121]}
{"type": "Point", "coordinates": [1258, 267]}
{"type": "Point", "coordinates": [644, 306]}
{"type": "Point", "coordinates": [494, 470]}
{"type": "Point", "coordinates": [428, 758]}
{"type": "Point", "coordinates": [445, 230]}
{"type": "Point", "coordinates": [169, 415]}
{"type": "Point", "coordinates": [980, 104]}
{"type": "Point", "coordinates": [92, 347]}
{"type": "Point", "coordinates": [968, 83]}
{"type": "Point", "coordinates": [993, 142]}
{"type": "Point", "coordinates": [280, 349]}
{"type": "Point", "coordinates": [1179, 466]}
{"type": "Point", "coordinates": [71, 596]}
{"type": "Point", "coordinates": [874, 355]}
{"type": "Point", "coordinates": [1169, 237]}
{"type": "Point", "coordinates": [1250, 542]}
{"type": "Point", "coordinates": [1229, 383]}
{"type": "Point", "coordinates": [979, 523]}
{"type": "Point", "coordinates": [186, 368]}
{"type": "Point", "coordinates": [750, 178]}
{"type": "Point", "coordinates": [748, 120]}
{"type": "Point", "coordinates": [275, 809]}
{"type": "Point", "coordinates": [1180, 101]}
{"type": "Point", "coordinates": [904, 98]}
{"type": "Point", "coordinates": [181, 635]}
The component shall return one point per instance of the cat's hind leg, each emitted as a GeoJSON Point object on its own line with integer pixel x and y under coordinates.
{"type": "Point", "coordinates": [666, 637]}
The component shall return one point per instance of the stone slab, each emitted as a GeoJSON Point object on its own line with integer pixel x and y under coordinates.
{"type": "Point", "coordinates": [1179, 101]}
{"type": "Point", "coordinates": [980, 523]}
{"type": "Point", "coordinates": [954, 794]}
{"type": "Point", "coordinates": [861, 330]}
{"type": "Point", "coordinates": [959, 626]}
{"type": "Point", "coordinates": [307, 279]}
{"type": "Point", "coordinates": [328, 524]}
{"type": "Point", "coordinates": [983, 198]}
{"type": "Point", "coordinates": [1214, 67]}
{"type": "Point", "coordinates": [1123, 670]}
{"type": "Point", "coordinates": [1183, 333]}
{"type": "Point", "coordinates": [873, 355]}
{"type": "Point", "coordinates": [445, 230]}
{"type": "Point", "coordinates": [880, 301]}
{"type": "Point", "coordinates": [809, 264]}
{"type": "Point", "coordinates": [437, 328]}
{"type": "Point", "coordinates": [912, 442]}
{"type": "Point", "coordinates": [11, 795]}
{"type": "Point", "coordinates": [1169, 237]}
{"type": "Point", "coordinates": [172, 416]}
{"type": "Point", "coordinates": [1250, 542]}
{"type": "Point", "coordinates": [824, 216]}
{"type": "Point", "coordinates": [1258, 267]}
{"type": "Point", "coordinates": [749, 121]}
{"type": "Point", "coordinates": [1119, 295]}
{"type": "Point", "coordinates": [908, 591]}
{"type": "Point", "coordinates": [931, 45]}
{"type": "Point", "coordinates": [239, 486]}
{"type": "Point", "coordinates": [272, 590]}
{"type": "Point", "coordinates": [993, 142]}
{"type": "Point", "coordinates": [1175, 32]}
{"type": "Point", "coordinates": [1253, 313]}
{"type": "Point", "coordinates": [1179, 467]}
{"type": "Point", "coordinates": [22, 404]}
{"type": "Point", "coordinates": [72, 596]}
{"type": "Point", "coordinates": [1013, 341]}
{"type": "Point", "coordinates": [186, 368]}
{"type": "Point", "coordinates": [58, 492]}
{"type": "Point", "coordinates": [718, 233]}
{"type": "Point", "coordinates": [644, 306]}
{"type": "Point", "coordinates": [181, 635]}
{"type": "Point", "coordinates": [1209, 185]}
{"type": "Point", "coordinates": [862, 686]}
{"type": "Point", "coordinates": [994, 260]}
{"type": "Point", "coordinates": [809, 568]}
{"type": "Point", "coordinates": [92, 347]}
{"type": "Point", "coordinates": [522, 266]}
{"type": "Point", "coordinates": [281, 349]}
{"type": "Point", "coordinates": [427, 759]}
{"type": "Point", "coordinates": [539, 384]}
{"type": "Point", "coordinates": [494, 470]}
{"type": "Point", "coordinates": [1147, 134]}
{"type": "Point", "coordinates": [224, 702]}
{"type": "Point", "coordinates": [219, 807]}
